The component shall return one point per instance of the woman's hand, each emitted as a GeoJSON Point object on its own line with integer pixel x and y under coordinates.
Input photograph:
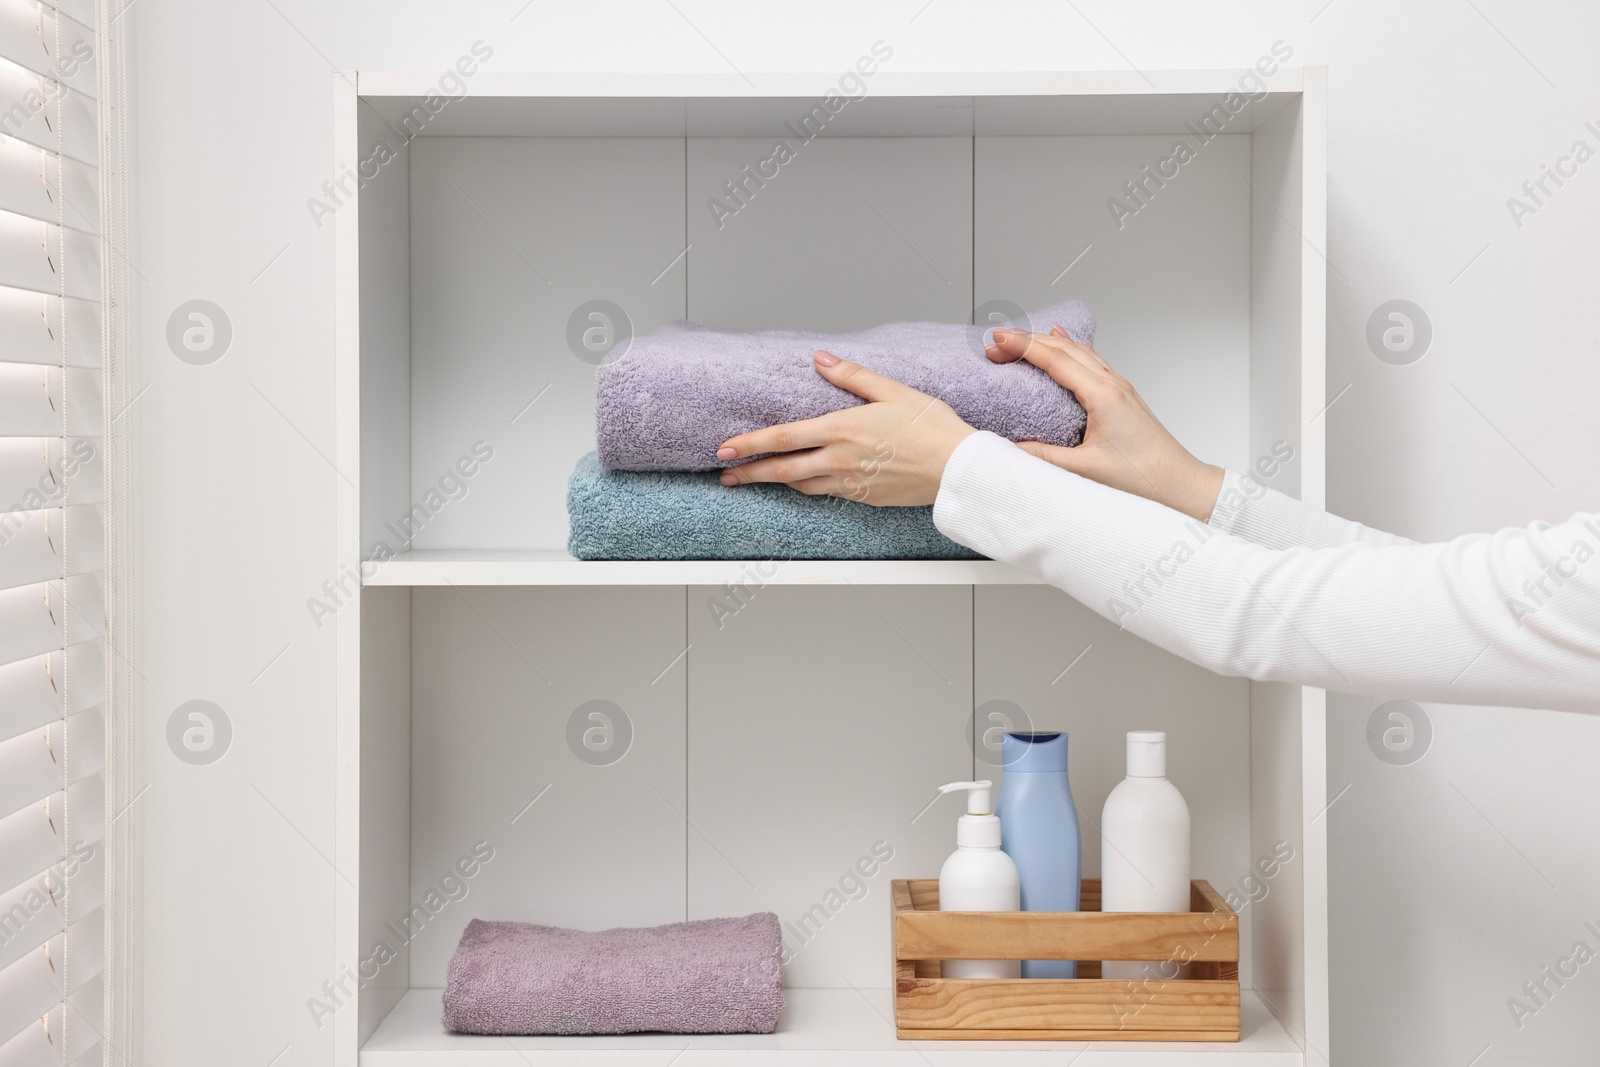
{"type": "Point", "coordinates": [1124, 446]}
{"type": "Point", "coordinates": [890, 451]}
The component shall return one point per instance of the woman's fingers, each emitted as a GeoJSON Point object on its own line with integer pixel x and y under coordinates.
{"type": "Point", "coordinates": [857, 379]}
{"type": "Point", "coordinates": [1057, 331]}
{"type": "Point", "coordinates": [789, 469]}
{"type": "Point", "coordinates": [812, 433]}
{"type": "Point", "coordinates": [1055, 356]}
{"type": "Point", "coordinates": [1012, 345]}
{"type": "Point", "coordinates": [785, 437]}
{"type": "Point", "coordinates": [817, 486]}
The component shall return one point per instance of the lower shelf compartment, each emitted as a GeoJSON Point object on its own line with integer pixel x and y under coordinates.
{"type": "Point", "coordinates": [834, 1027]}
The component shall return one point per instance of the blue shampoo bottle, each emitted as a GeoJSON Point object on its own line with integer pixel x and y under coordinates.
{"type": "Point", "coordinates": [1039, 831]}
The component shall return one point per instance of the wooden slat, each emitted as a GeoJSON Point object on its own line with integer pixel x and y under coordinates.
{"type": "Point", "coordinates": [924, 895]}
{"type": "Point", "coordinates": [905, 1034]}
{"type": "Point", "coordinates": [973, 1008]}
{"type": "Point", "coordinates": [1203, 898]}
{"type": "Point", "coordinates": [907, 971]}
{"type": "Point", "coordinates": [1044, 935]}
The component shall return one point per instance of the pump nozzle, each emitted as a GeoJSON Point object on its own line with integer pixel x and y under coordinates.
{"type": "Point", "coordinates": [979, 796]}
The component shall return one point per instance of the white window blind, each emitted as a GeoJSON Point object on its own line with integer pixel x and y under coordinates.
{"type": "Point", "coordinates": [52, 540]}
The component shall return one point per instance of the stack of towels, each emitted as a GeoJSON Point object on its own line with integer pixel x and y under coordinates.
{"type": "Point", "coordinates": [711, 976]}
{"type": "Point", "coordinates": [651, 489]}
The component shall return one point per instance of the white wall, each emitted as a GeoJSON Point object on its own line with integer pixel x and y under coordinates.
{"type": "Point", "coordinates": [1455, 879]}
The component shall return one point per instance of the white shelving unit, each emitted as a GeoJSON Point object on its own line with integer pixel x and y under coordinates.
{"type": "Point", "coordinates": [763, 745]}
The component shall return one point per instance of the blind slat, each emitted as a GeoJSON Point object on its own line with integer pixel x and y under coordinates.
{"type": "Point", "coordinates": [32, 326]}
{"type": "Point", "coordinates": [31, 690]}
{"type": "Point", "coordinates": [28, 37]}
{"type": "Point", "coordinates": [33, 1047]}
{"type": "Point", "coordinates": [30, 839]}
{"type": "Point", "coordinates": [30, 543]}
{"type": "Point", "coordinates": [33, 395]}
{"type": "Point", "coordinates": [35, 183]}
{"type": "Point", "coordinates": [80, 11]}
{"type": "Point", "coordinates": [32, 255]}
{"type": "Point", "coordinates": [37, 472]}
{"type": "Point", "coordinates": [28, 112]}
{"type": "Point", "coordinates": [34, 619]}
{"type": "Point", "coordinates": [26, 993]}
{"type": "Point", "coordinates": [47, 1043]}
{"type": "Point", "coordinates": [35, 984]}
{"type": "Point", "coordinates": [33, 765]}
{"type": "Point", "coordinates": [33, 912]}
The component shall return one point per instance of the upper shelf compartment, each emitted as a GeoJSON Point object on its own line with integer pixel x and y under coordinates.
{"type": "Point", "coordinates": [490, 223]}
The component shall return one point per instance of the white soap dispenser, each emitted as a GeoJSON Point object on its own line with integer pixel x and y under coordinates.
{"type": "Point", "coordinates": [1144, 851]}
{"type": "Point", "coordinates": [979, 877]}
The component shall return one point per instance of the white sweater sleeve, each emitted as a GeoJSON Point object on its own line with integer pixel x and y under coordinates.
{"type": "Point", "coordinates": [1511, 618]}
{"type": "Point", "coordinates": [1250, 510]}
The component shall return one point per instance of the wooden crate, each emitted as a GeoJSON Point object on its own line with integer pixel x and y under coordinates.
{"type": "Point", "coordinates": [1201, 1006]}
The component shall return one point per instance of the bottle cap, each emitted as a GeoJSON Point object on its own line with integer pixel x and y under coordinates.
{"type": "Point", "coordinates": [979, 796]}
{"type": "Point", "coordinates": [979, 827]}
{"type": "Point", "coordinates": [1147, 754]}
{"type": "Point", "coordinates": [1034, 753]}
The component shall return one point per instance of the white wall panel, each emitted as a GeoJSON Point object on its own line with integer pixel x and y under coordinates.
{"type": "Point", "coordinates": [821, 722]}
{"type": "Point", "coordinates": [850, 233]}
{"type": "Point", "coordinates": [509, 236]}
{"type": "Point", "coordinates": [497, 674]}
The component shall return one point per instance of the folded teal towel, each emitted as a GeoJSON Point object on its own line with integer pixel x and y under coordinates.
{"type": "Point", "coordinates": [691, 515]}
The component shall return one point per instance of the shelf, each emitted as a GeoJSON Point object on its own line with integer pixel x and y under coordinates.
{"type": "Point", "coordinates": [549, 567]}
{"type": "Point", "coordinates": [835, 1027]}
{"type": "Point", "coordinates": [440, 707]}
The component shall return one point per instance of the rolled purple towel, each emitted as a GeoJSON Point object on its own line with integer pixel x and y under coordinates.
{"type": "Point", "coordinates": [682, 390]}
{"type": "Point", "coordinates": [711, 976]}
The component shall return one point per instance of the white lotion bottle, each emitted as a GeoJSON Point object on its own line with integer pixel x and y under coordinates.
{"type": "Point", "coordinates": [979, 877]}
{"type": "Point", "coordinates": [1144, 849]}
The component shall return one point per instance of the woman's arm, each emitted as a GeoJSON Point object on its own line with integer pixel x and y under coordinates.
{"type": "Point", "coordinates": [1511, 618]}
{"type": "Point", "coordinates": [1248, 509]}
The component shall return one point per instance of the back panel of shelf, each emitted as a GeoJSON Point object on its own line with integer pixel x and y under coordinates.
{"type": "Point", "coordinates": [509, 236]}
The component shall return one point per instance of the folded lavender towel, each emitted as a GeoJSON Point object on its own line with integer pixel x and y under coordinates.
{"type": "Point", "coordinates": [682, 390]}
{"type": "Point", "coordinates": [712, 976]}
